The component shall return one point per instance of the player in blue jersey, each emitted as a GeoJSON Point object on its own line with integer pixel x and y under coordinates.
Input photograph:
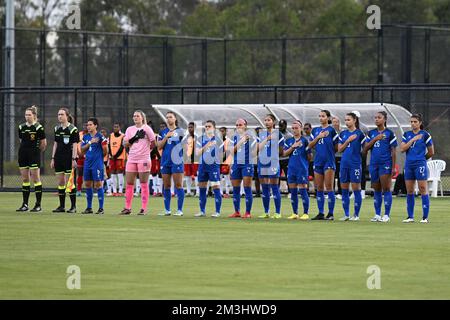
{"type": "Point", "coordinates": [418, 146]}
{"type": "Point", "coordinates": [208, 148]}
{"type": "Point", "coordinates": [171, 141]}
{"type": "Point", "coordinates": [296, 148]}
{"type": "Point", "coordinates": [243, 149]}
{"type": "Point", "coordinates": [351, 143]}
{"type": "Point", "coordinates": [270, 146]}
{"type": "Point", "coordinates": [325, 141]}
{"type": "Point", "coordinates": [95, 147]}
{"type": "Point", "coordinates": [382, 144]}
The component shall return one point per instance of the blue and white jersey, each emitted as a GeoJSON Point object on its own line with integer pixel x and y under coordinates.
{"type": "Point", "coordinates": [298, 160]}
{"type": "Point", "coordinates": [172, 153]}
{"type": "Point", "coordinates": [94, 155]}
{"type": "Point", "coordinates": [270, 154]}
{"type": "Point", "coordinates": [380, 153]}
{"type": "Point", "coordinates": [351, 157]}
{"type": "Point", "coordinates": [244, 154]}
{"type": "Point", "coordinates": [210, 158]}
{"type": "Point", "coordinates": [325, 152]}
{"type": "Point", "coordinates": [416, 153]}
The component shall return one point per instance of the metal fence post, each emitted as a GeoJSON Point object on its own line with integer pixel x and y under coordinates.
{"type": "Point", "coordinates": [85, 76]}
{"type": "Point", "coordinates": [75, 113]}
{"type": "Point", "coordinates": [343, 75]}
{"type": "Point", "coordinates": [225, 80]}
{"type": "Point", "coordinates": [165, 67]}
{"type": "Point", "coordinates": [126, 76]}
{"type": "Point", "coordinates": [94, 104]}
{"type": "Point", "coordinates": [283, 67]}
{"type": "Point", "coordinates": [204, 69]}
{"type": "Point", "coordinates": [380, 56]}
{"type": "Point", "coordinates": [426, 75]}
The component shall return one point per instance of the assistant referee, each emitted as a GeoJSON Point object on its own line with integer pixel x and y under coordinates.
{"type": "Point", "coordinates": [32, 143]}
{"type": "Point", "coordinates": [64, 157]}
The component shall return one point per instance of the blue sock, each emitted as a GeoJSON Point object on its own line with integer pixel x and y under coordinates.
{"type": "Point", "coordinates": [294, 200]}
{"type": "Point", "coordinates": [387, 202]}
{"type": "Point", "coordinates": [202, 200]}
{"type": "Point", "coordinates": [101, 197]}
{"type": "Point", "coordinates": [276, 197]}
{"type": "Point", "coordinates": [248, 199]}
{"type": "Point", "coordinates": [358, 201]}
{"type": "Point", "coordinates": [180, 196]}
{"type": "Point", "coordinates": [346, 202]}
{"type": "Point", "coordinates": [320, 201]}
{"type": "Point", "coordinates": [410, 205]}
{"type": "Point", "coordinates": [218, 199]}
{"type": "Point", "coordinates": [167, 196]}
{"type": "Point", "coordinates": [425, 206]}
{"type": "Point", "coordinates": [237, 199]}
{"type": "Point", "coordinates": [331, 202]}
{"type": "Point", "coordinates": [89, 196]}
{"type": "Point", "coordinates": [266, 197]}
{"type": "Point", "coordinates": [305, 200]}
{"type": "Point", "coordinates": [377, 200]}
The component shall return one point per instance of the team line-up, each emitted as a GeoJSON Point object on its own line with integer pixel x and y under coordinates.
{"type": "Point", "coordinates": [244, 152]}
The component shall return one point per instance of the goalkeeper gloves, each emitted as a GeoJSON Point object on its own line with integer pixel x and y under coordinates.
{"type": "Point", "coordinates": [139, 135]}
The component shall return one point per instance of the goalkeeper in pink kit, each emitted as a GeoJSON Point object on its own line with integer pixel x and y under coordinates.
{"type": "Point", "coordinates": [140, 140]}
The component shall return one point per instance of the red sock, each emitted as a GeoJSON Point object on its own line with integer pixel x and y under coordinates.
{"type": "Point", "coordinates": [129, 196]}
{"type": "Point", "coordinates": [79, 183]}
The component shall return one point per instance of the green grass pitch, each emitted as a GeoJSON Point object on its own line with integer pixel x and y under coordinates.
{"type": "Point", "coordinates": [152, 257]}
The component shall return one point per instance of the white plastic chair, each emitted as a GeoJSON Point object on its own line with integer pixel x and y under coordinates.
{"type": "Point", "coordinates": [435, 167]}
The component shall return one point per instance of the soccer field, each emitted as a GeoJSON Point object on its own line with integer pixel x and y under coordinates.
{"type": "Point", "coordinates": [153, 257]}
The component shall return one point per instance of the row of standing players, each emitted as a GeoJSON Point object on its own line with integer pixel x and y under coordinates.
{"type": "Point", "coordinates": [244, 146]}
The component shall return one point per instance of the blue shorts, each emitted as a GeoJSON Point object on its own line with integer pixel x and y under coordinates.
{"type": "Point", "coordinates": [378, 170]}
{"type": "Point", "coordinates": [297, 177]}
{"type": "Point", "coordinates": [90, 174]}
{"type": "Point", "coordinates": [210, 174]}
{"type": "Point", "coordinates": [269, 172]}
{"type": "Point", "coordinates": [416, 171]}
{"type": "Point", "coordinates": [352, 175]}
{"type": "Point", "coordinates": [238, 171]}
{"type": "Point", "coordinates": [321, 168]}
{"type": "Point", "coordinates": [174, 168]}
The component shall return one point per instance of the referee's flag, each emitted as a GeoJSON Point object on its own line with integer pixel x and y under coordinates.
{"type": "Point", "coordinates": [70, 183]}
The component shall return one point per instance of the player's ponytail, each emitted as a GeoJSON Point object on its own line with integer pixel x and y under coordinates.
{"type": "Point", "coordinates": [384, 114]}
{"type": "Point", "coordinates": [355, 117]}
{"type": "Point", "coordinates": [419, 118]}
{"type": "Point", "coordinates": [328, 113]}
{"type": "Point", "coordinates": [68, 115]}
{"type": "Point", "coordinates": [34, 111]}
{"type": "Point", "coordinates": [271, 116]}
{"type": "Point", "coordinates": [144, 117]}
{"type": "Point", "coordinates": [175, 116]}
{"type": "Point", "coordinates": [94, 121]}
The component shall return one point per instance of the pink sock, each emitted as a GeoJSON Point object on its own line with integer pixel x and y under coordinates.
{"type": "Point", "coordinates": [144, 194]}
{"type": "Point", "coordinates": [129, 196]}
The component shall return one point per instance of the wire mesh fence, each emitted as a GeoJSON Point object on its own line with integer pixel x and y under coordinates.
{"type": "Point", "coordinates": [396, 54]}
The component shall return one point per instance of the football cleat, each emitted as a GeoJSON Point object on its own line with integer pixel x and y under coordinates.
{"type": "Point", "coordinates": [377, 218]}
{"type": "Point", "coordinates": [23, 208]}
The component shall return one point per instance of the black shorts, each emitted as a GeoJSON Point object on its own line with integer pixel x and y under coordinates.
{"type": "Point", "coordinates": [63, 164]}
{"type": "Point", "coordinates": [29, 158]}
